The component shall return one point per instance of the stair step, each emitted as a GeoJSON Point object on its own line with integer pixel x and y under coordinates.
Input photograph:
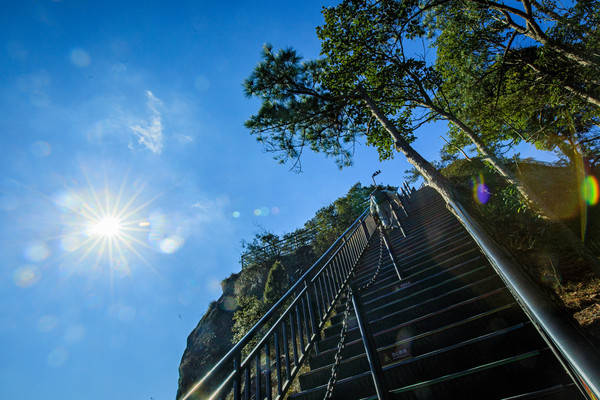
{"type": "Point", "coordinates": [414, 318]}
{"type": "Point", "coordinates": [449, 329]}
{"type": "Point", "coordinates": [495, 318]}
{"type": "Point", "coordinates": [409, 347]}
{"type": "Point", "coordinates": [506, 377]}
{"type": "Point", "coordinates": [448, 288]}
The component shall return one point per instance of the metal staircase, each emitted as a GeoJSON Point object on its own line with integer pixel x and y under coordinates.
{"type": "Point", "coordinates": [449, 329]}
{"type": "Point", "coordinates": [440, 319]}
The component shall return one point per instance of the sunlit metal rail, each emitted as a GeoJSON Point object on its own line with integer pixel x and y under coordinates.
{"type": "Point", "coordinates": [292, 326]}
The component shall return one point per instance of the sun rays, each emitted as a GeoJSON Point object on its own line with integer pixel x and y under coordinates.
{"type": "Point", "coordinates": [105, 227]}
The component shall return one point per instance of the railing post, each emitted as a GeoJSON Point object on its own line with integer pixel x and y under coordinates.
{"type": "Point", "coordinates": [370, 348]}
{"type": "Point", "coordinates": [258, 374]}
{"type": "Point", "coordinates": [408, 191]}
{"type": "Point", "coordinates": [387, 243]}
{"type": "Point", "coordinates": [398, 219]}
{"type": "Point", "coordinates": [237, 387]}
{"type": "Point", "coordinates": [311, 315]}
{"type": "Point", "coordinates": [268, 371]}
{"type": "Point", "coordinates": [365, 229]}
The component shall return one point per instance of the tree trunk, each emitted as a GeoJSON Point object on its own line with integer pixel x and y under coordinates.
{"type": "Point", "coordinates": [428, 171]}
{"type": "Point", "coordinates": [436, 180]}
{"type": "Point", "coordinates": [498, 165]}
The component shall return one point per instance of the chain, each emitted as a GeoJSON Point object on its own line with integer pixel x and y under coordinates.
{"type": "Point", "coordinates": [342, 340]}
{"type": "Point", "coordinates": [341, 345]}
{"type": "Point", "coordinates": [374, 277]}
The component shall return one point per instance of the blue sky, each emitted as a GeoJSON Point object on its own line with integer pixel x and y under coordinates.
{"type": "Point", "coordinates": [142, 99]}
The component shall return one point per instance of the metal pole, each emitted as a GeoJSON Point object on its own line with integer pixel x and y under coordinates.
{"type": "Point", "coordinates": [370, 349]}
{"type": "Point", "coordinates": [386, 241]}
{"type": "Point", "coordinates": [374, 175]}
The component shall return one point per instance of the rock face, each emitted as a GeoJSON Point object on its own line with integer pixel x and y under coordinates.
{"type": "Point", "coordinates": [207, 343]}
{"type": "Point", "coordinates": [211, 339]}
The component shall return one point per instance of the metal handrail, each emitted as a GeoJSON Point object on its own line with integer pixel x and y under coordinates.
{"type": "Point", "coordinates": [578, 356]}
{"type": "Point", "coordinates": [316, 291]}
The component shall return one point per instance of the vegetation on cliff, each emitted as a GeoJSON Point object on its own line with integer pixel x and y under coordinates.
{"type": "Point", "coordinates": [248, 294]}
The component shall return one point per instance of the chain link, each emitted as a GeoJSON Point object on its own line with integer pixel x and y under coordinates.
{"type": "Point", "coordinates": [341, 345]}
{"type": "Point", "coordinates": [374, 277]}
{"type": "Point", "coordinates": [343, 332]}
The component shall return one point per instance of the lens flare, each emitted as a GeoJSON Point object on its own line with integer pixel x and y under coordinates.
{"type": "Point", "coordinates": [103, 225]}
{"type": "Point", "coordinates": [590, 191]}
{"type": "Point", "coordinates": [26, 276]}
{"type": "Point", "coordinates": [481, 193]}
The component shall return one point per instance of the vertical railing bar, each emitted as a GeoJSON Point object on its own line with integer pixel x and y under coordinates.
{"type": "Point", "coordinates": [370, 347]}
{"type": "Point", "coordinates": [344, 268]}
{"type": "Point", "coordinates": [237, 386]}
{"type": "Point", "coordinates": [326, 292]}
{"type": "Point", "coordinates": [327, 281]}
{"type": "Point", "coordinates": [306, 326]}
{"type": "Point", "coordinates": [268, 371]}
{"type": "Point", "coordinates": [347, 257]}
{"type": "Point", "coordinates": [300, 333]}
{"type": "Point", "coordinates": [311, 313]}
{"type": "Point", "coordinates": [258, 373]}
{"type": "Point", "coordinates": [340, 270]}
{"type": "Point", "coordinates": [277, 361]}
{"type": "Point", "coordinates": [293, 334]}
{"type": "Point", "coordinates": [247, 382]}
{"type": "Point", "coordinates": [337, 277]}
{"type": "Point", "coordinates": [286, 349]}
{"type": "Point", "coordinates": [331, 286]}
{"type": "Point", "coordinates": [352, 249]}
{"type": "Point", "coordinates": [318, 299]}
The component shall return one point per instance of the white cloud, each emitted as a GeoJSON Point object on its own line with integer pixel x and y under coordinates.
{"type": "Point", "coordinates": [80, 58]}
{"type": "Point", "coordinates": [150, 133]}
{"type": "Point", "coordinates": [184, 139]}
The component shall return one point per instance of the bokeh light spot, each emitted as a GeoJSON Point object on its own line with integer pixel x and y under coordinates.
{"type": "Point", "coordinates": [66, 200]}
{"type": "Point", "coordinates": [36, 252]}
{"type": "Point", "coordinates": [26, 276]}
{"type": "Point", "coordinates": [57, 357]}
{"type": "Point", "coordinates": [481, 193]}
{"type": "Point", "coordinates": [171, 244]}
{"type": "Point", "coordinates": [236, 214]}
{"type": "Point", "coordinates": [275, 210]}
{"type": "Point", "coordinates": [257, 212]}
{"type": "Point", "coordinates": [590, 190]}
{"type": "Point", "coordinates": [80, 58]}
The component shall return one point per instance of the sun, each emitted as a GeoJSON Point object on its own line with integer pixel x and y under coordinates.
{"type": "Point", "coordinates": [108, 227]}
{"type": "Point", "coordinates": [104, 226]}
